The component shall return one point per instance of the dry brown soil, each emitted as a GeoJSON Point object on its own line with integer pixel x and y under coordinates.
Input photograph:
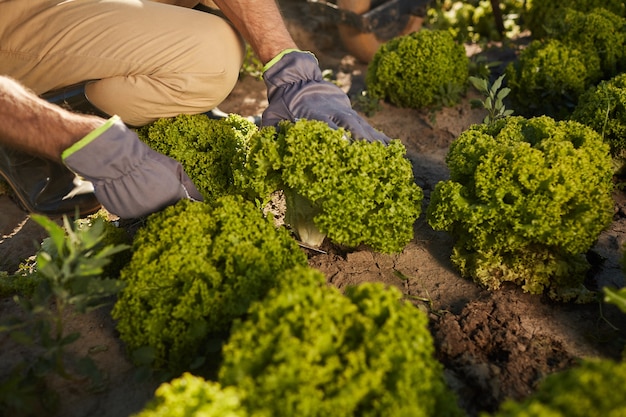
{"type": "Point", "coordinates": [494, 345]}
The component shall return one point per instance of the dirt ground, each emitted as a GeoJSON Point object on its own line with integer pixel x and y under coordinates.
{"type": "Point", "coordinates": [494, 345]}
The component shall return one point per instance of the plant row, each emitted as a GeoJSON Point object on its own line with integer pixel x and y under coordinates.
{"type": "Point", "coordinates": [218, 286]}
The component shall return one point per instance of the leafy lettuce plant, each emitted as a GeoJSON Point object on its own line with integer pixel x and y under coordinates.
{"type": "Point", "coordinates": [474, 21]}
{"type": "Point", "coordinates": [549, 76]}
{"type": "Point", "coordinates": [309, 350]}
{"type": "Point", "coordinates": [209, 150]}
{"type": "Point", "coordinates": [595, 388]}
{"type": "Point", "coordinates": [525, 200]}
{"type": "Point", "coordinates": [353, 192]}
{"type": "Point", "coordinates": [415, 69]}
{"type": "Point", "coordinates": [22, 283]}
{"type": "Point", "coordinates": [193, 396]}
{"type": "Point", "coordinates": [540, 14]}
{"type": "Point", "coordinates": [196, 267]}
{"type": "Point", "coordinates": [603, 108]}
{"type": "Point", "coordinates": [599, 35]}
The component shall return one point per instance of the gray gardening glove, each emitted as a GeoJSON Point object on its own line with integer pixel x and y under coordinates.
{"type": "Point", "coordinates": [296, 90]}
{"type": "Point", "coordinates": [130, 179]}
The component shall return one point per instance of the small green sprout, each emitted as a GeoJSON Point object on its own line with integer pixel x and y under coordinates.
{"type": "Point", "coordinates": [71, 268]}
{"type": "Point", "coordinates": [494, 98]}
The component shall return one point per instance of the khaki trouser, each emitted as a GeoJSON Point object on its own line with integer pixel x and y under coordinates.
{"type": "Point", "coordinates": [147, 59]}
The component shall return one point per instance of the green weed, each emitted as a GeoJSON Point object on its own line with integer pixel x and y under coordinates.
{"type": "Point", "coordinates": [68, 273]}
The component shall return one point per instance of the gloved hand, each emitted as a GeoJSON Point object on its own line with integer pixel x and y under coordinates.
{"type": "Point", "coordinates": [129, 178]}
{"type": "Point", "coordinates": [296, 90]}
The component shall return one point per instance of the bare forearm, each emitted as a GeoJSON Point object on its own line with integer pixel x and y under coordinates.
{"type": "Point", "coordinates": [33, 125]}
{"type": "Point", "coordinates": [261, 24]}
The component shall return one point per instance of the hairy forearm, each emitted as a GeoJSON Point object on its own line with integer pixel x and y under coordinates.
{"type": "Point", "coordinates": [33, 125]}
{"type": "Point", "coordinates": [261, 24]}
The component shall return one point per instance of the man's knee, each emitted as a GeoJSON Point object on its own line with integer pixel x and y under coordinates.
{"type": "Point", "coordinates": [141, 99]}
{"type": "Point", "coordinates": [199, 81]}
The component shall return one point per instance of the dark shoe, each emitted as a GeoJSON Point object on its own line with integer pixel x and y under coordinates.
{"type": "Point", "coordinates": [46, 187]}
{"type": "Point", "coordinates": [73, 98]}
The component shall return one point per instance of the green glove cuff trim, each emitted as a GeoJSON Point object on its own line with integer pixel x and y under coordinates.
{"type": "Point", "coordinates": [90, 137]}
{"type": "Point", "coordinates": [280, 55]}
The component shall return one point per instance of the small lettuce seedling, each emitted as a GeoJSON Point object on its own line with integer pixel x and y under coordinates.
{"type": "Point", "coordinates": [494, 98]}
{"type": "Point", "coordinates": [353, 192]}
{"type": "Point", "coordinates": [196, 267]}
{"type": "Point", "coordinates": [309, 350]}
{"type": "Point", "coordinates": [525, 200]}
{"type": "Point", "coordinates": [617, 296]}
{"type": "Point", "coordinates": [70, 276]}
{"type": "Point", "coordinates": [418, 70]}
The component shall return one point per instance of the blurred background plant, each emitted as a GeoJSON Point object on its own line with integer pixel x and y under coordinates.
{"type": "Point", "coordinates": [475, 21]}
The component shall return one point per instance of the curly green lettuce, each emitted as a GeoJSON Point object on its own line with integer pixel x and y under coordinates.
{"type": "Point", "coordinates": [196, 267]}
{"type": "Point", "coordinates": [603, 108]}
{"type": "Point", "coordinates": [193, 396]}
{"type": "Point", "coordinates": [474, 21]}
{"type": "Point", "coordinates": [594, 388]}
{"type": "Point", "coordinates": [548, 77]}
{"type": "Point", "coordinates": [418, 70]}
{"type": "Point", "coordinates": [355, 192]}
{"type": "Point", "coordinates": [525, 200]}
{"type": "Point", "coordinates": [209, 150]}
{"type": "Point", "coordinates": [540, 14]}
{"type": "Point", "coordinates": [599, 35]}
{"type": "Point", "coordinates": [309, 350]}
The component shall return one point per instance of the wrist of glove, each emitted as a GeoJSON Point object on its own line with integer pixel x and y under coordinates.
{"type": "Point", "coordinates": [296, 90]}
{"type": "Point", "coordinates": [130, 179]}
